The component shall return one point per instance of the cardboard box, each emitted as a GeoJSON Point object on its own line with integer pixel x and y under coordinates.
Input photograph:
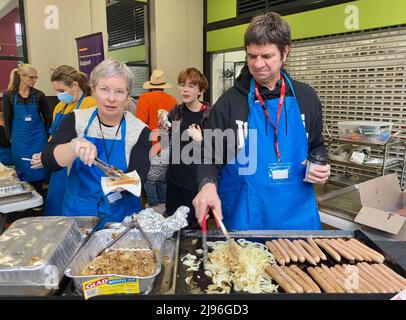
{"type": "Point", "coordinates": [380, 198]}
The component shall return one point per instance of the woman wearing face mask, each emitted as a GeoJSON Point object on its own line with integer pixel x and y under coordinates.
{"type": "Point", "coordinates": [107, 132]}
{"type": "Point", "coordinates": [74, 92]}
{"type": "Point", "coordinates": [26, 120]}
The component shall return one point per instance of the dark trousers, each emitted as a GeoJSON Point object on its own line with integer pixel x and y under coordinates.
{"type": "Point", "coordinates": [177, 196]}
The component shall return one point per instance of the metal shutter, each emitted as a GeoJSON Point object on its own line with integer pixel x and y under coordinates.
{"type": "Point", "coordinates": [359, 76]}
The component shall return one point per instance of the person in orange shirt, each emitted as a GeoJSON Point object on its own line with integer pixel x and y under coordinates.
{"type": "Point", "coordinates": [147, 111]}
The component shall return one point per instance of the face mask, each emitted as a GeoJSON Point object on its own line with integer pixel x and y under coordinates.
{"type": "Point", "coordinates": [65, 97]}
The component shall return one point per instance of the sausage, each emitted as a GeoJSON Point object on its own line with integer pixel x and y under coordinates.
{"type": "Point", "coordinates": [365, 255]}
{"type": "Point", "coordinates": [286, 286]}
{"type": "Point", "coordinates": [341, 279]}
{"type": "Point", "coordinates": [291, 281]}
{"type": "Point", "coordinates": [334, 254]}
{"type": "Point", "coordinates": [375, 256]}
{"type": "Point", "coordinates": [306, 278]}
{"type": "Point", "coordinates": [364, 286]}
{"type": "Point", "coordinates": [320, 280]}
{"type": "Point", "coordinates": [307, 256]}
{"type": "Point", "coordinates": [389, 279]}
{"type": "Point", "coordinates": [394, 274]}
{"type": "Point", "coordinates": [300, 256]}
{"type": "Point", "coordinates": [316, 248]}
{"type": "Point", "coordinates": [372, 279]}
{"type": "Point", "coordinates": [381, 278]}
{"type": "Point", "coordinates": [285, 246]}
{"type": "Point", "coordinates": [344, 253]}
{"type": "Point", "coordinates": [278, 256]}
{"type": "Point", "coordinates": [350, 250]}
{"type": "Point", "coordinates": [310, 250]}
{"type": "Point", "coordinates": [281, 250]}
{"type": "Point", "coordinates": [328, 276]}
{"type": "Point", "coordinates": [302, 283]}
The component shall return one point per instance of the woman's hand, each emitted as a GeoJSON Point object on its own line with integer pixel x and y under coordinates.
{"type": "Point", "coordinates": [195, 132]}
{"type": "Point", "coordinates": [36, 162]}
{"type": "Point", "coordinates": [84, 149]}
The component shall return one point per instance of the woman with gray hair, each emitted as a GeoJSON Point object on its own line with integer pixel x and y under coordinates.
{"type": "Point", "coordinates": [107, 132]}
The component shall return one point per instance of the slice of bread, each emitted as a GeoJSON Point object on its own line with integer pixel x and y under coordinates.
{"type": "Point", "coordinates": [124, 179]}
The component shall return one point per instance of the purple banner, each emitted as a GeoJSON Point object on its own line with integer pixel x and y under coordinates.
{"type": "Point", "coordinates": [90, 51]}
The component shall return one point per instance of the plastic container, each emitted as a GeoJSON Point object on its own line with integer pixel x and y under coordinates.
{"type": "Point", "coordinates": [98, 241]}
{"type": "Point", "coordinates": [365, 131]}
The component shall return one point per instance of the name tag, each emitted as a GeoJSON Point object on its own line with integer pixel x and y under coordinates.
{"type": "Point", "coordinates": [115, 196]}
{"type": "Point", "coordinates": [279, 172]}
{"type": "Point", "coordinates": [28, 118]}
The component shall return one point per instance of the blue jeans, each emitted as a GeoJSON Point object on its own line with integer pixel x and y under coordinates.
{"type": "Point", "coordinates": [156, 192]}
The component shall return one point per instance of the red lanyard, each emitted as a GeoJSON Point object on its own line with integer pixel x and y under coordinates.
{"type": "Point", "coordinates": [280, 105]}
{"type": "Point", "coordinates": [202, 107]}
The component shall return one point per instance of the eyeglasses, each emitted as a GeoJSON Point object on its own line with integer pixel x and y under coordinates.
{"type": "Point", "coordinates": [35, 78]}
{"type": "Point", "coordinates": [105, 93]}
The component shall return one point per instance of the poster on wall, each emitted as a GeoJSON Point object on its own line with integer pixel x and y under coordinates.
{"type": "Point", "coordinates": [90, 51]}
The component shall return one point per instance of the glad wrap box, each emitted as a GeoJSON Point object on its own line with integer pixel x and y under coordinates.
{"type": "Point", "coordinates": [381, 199]}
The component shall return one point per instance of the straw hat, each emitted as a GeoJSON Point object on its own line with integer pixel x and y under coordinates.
{"type": "Point", "coordinates": [157, 81]}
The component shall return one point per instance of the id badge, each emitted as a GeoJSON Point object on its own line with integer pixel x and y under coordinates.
{"type": "Point", "coordinates": [279, 172]}
{"type": "Point", "coordinates": [28, 118]}
{"type": "Point", "coordinates": [115, 196]}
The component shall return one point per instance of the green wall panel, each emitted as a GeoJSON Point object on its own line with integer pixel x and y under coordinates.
{"type": "Point", "coordinates": [218, 10]}
{"type": "Point", "coordinates": [325, 21]}
{"type": "Point", "coordinates": [136, 53]}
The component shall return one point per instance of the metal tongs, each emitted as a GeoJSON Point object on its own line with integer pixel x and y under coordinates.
{"type": "Point", "coordinates": [133, 223]}
{"type": "Point", "coordinates": [108, 169]}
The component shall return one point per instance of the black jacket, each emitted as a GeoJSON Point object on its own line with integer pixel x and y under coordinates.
{"type": "Point", "coordinates": [232, 106]}
{"type": "Point", "coordinates": [8, 108]}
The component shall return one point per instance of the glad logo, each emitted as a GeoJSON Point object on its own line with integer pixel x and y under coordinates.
{"type": "Point", "coordinates": [97, 283]}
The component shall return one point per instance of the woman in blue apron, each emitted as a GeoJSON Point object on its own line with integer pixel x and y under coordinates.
{"type": "Point", "coordinates": [74, 93]}
{"type": "Point", "coordinates": [108, 133]}
{"type": "Point", "coordinates": [26, 115]}
{"type": "Point", "coordinates": [275, 196]}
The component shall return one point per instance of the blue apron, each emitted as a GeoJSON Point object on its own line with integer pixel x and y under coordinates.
{"type": "Point", "coordinates": [28, 137]}
{"type": "Point", "coordinates": [57, 183]}
{"type": "Point", "coordinates": [266, 200]}
{"type": "Point", "coordinates": [6, 156]}
{"type": "Point", "coordinates": [84, 195]}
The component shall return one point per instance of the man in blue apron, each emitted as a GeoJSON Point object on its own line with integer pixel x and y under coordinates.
{"type": "Point", "coordinates": [277, 122]}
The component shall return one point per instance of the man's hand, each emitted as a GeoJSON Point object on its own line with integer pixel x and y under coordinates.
{"type": "Point", "coordinates": [206, 199]}
{"type": "Point", "coordinates": [319, 174]}
{"type": "Point", "coordinates": [36, 161]}
{"type": "Point", "coordinates": [84, 149]}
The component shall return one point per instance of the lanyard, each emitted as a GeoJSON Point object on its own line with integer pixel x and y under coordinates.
{"type": "Point", "coordinates": [280, 105]}
{"type": "Point", "coordinates": [63, 111]}
{"type": "Point", "coordinates": [202, 107]}
{"type": "Point", "coordinates": [108, 154]}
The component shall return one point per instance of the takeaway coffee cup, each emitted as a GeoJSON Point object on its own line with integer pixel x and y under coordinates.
{"type": "Point", "coordinates": [314, 159]}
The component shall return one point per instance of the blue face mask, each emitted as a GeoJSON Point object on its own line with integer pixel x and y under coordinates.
{"type": "Point", "coordinates": [65, 97]}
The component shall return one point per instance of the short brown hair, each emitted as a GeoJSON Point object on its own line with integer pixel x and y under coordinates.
{"type": "Point", "coordinates": [195, 77]}
{"type": "Point", "coordinates": [268, 28]}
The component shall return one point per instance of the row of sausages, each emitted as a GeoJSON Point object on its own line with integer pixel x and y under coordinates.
{"type": "Point", "coordinates": [360, 278]}
{"type": "Point", "coordinates": [286, 251]}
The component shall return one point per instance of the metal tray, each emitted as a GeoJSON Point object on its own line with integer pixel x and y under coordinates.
{"type": "Point", "coordinates": [34, 252]}
{"type": "Point", "coordinates": [98, 241]}
{"type": "Point", "coordinates": [191, 240]}
{"type": "Point", "coordinates": [12, 190]}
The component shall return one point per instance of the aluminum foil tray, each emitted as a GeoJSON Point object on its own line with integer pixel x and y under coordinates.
{"type": "Point", "coordinates": [98, 241]}
{"type": "Point", "coordinates": [34, 253]}
{"type": "Point", "coordinates": [12, 186]}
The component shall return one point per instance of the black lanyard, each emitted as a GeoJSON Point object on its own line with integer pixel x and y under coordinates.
{"type": "Point", "coordinates": [274, 125]}
{"type": "Point", "coordinates": [108, 153]}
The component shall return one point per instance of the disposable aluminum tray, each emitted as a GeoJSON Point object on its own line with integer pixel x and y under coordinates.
{"type": "Point", "coordinates": [98, 241]}
{"type": "Point", "coordinates": [12, 190]}
{"type": "Point", "coordinates": [190, 240]}
{"type": "Point", "coordinates": [34, 253]}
